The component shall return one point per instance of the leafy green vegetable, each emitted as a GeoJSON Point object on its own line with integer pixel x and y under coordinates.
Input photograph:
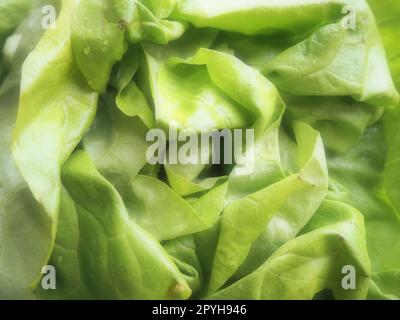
{"type": "Point", "coordinates": [26, 232]}
{"type": "Point", "coordinates": [105, 243]}
{"type": "Point", "coordinates": [51, 120]}
{"type": "Point", "coordinates": [293, 199]}
{"type": "Point", "coordinates": [311, 262]}
{"type": "Point", "coordinates": [316, 84]}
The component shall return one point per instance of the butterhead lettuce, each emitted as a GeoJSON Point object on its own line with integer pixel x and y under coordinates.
{"type": "Point", "coordinates": [86, 214]}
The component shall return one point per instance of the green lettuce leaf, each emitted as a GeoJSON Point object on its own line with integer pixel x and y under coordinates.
{"type": "Point", "coordinates": [287, 205]}
{"type": "Point", "coordinates": [314, 82]}
{"type": "Point", "coordinates": [26, 231]}
{"type": "Point", "coordinates": [51, 121]}
{"type": "Point", "coordinates": [99, 243]}
{"type": "Point", "coordinates": [306, 265]}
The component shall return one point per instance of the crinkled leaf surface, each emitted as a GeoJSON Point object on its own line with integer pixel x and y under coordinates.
{"type": "Point", "coordinates": [315, 79]}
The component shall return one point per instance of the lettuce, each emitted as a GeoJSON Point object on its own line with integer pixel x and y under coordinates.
{"type": "Point", "coordinates": [315, 81]}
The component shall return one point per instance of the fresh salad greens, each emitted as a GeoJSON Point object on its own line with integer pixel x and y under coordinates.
{"type": "Point", "coordinates": [85, 213]}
